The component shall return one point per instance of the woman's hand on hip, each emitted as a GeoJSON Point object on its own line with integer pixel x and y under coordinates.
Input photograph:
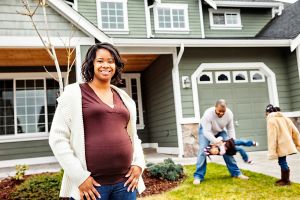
{"type": "Point", "coordinates": [87, 189]}
{"type": "Point", "coordinates": [134, 175]}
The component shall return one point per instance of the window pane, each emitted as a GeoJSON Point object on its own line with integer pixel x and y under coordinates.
{"type": "Point", "coordinates": [104, 5]}
{"type": "Point", "coordinates": [30, 98]}
{"type": "Point", "coordinates": [204, 78]}
{"type": "Point", "coordinates": [222, 77]}
{"type": "Point", "coordinates": [135, 97]}
{"type": "Point", "coordinates": [52, 88]}
{"type": "Point", "coordinates": [240, 77]}
{"type": "Point", "coordinates": [232, 18]}
{"type": "Point", "coordinates": [218, 18]}
{"type": "Point", "coordinates": [112, 15]}
{"type": "Point", "coordinates": [6, 108]}
{"type": "Point", "coordinates": [164, 18]}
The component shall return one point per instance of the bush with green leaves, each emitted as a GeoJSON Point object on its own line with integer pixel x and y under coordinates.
{"type": "Point", "coordinates": [41, 186]}
{"type": "Point", "coordinates": [20, 172]}
{"type": "Point", "coordinates": [167, 170]}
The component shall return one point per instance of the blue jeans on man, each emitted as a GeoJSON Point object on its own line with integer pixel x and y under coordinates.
{"type": "Point", "coordinates": [201, 160]}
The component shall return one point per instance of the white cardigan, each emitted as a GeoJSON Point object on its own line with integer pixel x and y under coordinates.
{"type": "Point", "coordinates": [66, 139]}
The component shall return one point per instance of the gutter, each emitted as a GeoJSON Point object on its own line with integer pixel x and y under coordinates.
{"type": "Point", "coordinates": [201, 42]}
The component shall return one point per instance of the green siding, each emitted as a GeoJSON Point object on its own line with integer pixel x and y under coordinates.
{"type": "Point", "coordinates": [252, 19]}
{"type": "Point", "coordinates": [136, 17]}
{"type": "Point", "coordinates": [159, 102]}
{"type": "Point", "coordinates": [294, 82]}
{"type": "Point", "coordinates": [194, 21]}
{"type": "Point", "coordinates": [28, 149]}
{"type": "Point", "coordinates": [14, 24]}
{"type": "Point", "coordinates": [272, 57]}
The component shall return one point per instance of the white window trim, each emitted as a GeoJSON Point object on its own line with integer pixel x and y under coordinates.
{"type": "Point", "coordinates": [125, 16]}
{"type": "Point", "coordinates": [209, 74]}
{"type": "Point", "coordinates": [225, 26]}
{"type": "Point", "coordinates": [244, 73]}
{"type": "Point", "coordinates": [252, 73]}
{"type": "Point", "coordinates": [137, 76]}
{"type": "Point", "coordinates": [226, 73]}
{"type": "Point", "coordinates": [172, 30]}
{"type": "Point", "coordinates": [27, 136]}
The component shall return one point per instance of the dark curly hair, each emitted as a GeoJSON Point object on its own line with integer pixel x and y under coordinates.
{"type": "Point", "coordinates": [87, 69]}
{"type": "Point", "coordinates": [270, 108]}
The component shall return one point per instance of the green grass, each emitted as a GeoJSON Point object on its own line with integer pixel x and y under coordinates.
{"type": "Point", "coordinates": [219, 185]}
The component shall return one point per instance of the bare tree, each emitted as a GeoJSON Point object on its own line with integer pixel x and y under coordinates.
{"type": "Point", "coordinates": [48, 46]}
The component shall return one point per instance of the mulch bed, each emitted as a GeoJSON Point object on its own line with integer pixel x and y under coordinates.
{"type": "Point", "coordinates": [158, 186]}
{"type": "Point", "coordinates": [7, 186]}
{"type": "Point", "coordinates": [153, 185]}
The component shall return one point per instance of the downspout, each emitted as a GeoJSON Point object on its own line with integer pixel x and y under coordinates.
{"type": "Point", "coordinates": [201, 19]}
{"type": "Point", "coordinates": [298, 59]}
{"type": "Point", "coordinates": [148, 21]}
{"type": "Point", "coordinates": [177, 97]}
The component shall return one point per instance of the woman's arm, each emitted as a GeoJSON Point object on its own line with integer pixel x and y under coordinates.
{"type": "Point", "coordinates": [59, 140]}
{"type": "Point", "coordinates": [295, 134]}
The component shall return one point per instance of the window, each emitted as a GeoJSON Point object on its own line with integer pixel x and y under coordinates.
{"type": "Point", "coordinates": [240, 76]}
{"type": "Point", "coordinates": [257, 76]}
{"type": "Point", "coordinates": [7, 120]}
{"type": "Point", "coordinates": [30, 106]}
{"type": "Point", "coordinates": [131, 85]}
{"type": "Point", "coordinates": [225, 19]}
{"type": "Point", "coordinates": [205, 78]}
{"type": "Point", "coordinates": [222, 77]}
{"type": "Point", "coordinates": [112, 15]}
{"type": "Point", "coordinates": [171, 18]}
{"type": "Point", "coordinates": [27, 105]}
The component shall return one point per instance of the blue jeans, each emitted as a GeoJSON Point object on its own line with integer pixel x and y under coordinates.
{"type": "Point", "coordinates": [282, 163]}
{"type": "Point", "coordinates": [247, 143]}
{"type": "Point", "coordinates": [201, 160]}
{"type": "Point", "coordinates": [114, 192]}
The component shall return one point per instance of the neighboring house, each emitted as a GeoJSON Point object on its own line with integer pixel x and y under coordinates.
{"type": "Point", "coordinates": [181, 56]}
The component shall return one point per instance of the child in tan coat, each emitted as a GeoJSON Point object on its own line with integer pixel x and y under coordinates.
{"type": "Point", "coordinates": [283, 140]}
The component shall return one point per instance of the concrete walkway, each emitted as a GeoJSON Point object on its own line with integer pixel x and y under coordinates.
{"type": "Point", "coordinates": [261, 163]}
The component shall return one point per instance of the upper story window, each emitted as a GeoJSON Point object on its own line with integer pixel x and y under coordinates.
{"type": "Point", "coordinates": [171, 18]}
{"type": "Point", "coordinates": [112, 15]}
{"type": "Point", "coordinates": [225, 19]}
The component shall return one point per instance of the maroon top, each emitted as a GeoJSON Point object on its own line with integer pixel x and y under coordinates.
{"type": "Point", "coordinates": [108, 148]}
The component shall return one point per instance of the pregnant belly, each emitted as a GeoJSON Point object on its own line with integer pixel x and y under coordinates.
{"type": "Point", "coordinates": [114, 160]}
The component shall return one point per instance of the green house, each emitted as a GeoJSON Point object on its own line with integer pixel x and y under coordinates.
{"type": "Point", "coordinates": [180, 57]}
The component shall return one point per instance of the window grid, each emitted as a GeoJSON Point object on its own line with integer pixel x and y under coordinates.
{"type": "Point", "coordinates": [225, 19]}
{"type": "Point", "coordinates": [112, 15]}
{"type": "Point", "coordinates": [6, 108]}
{"type": "Point", "coordinates": [164, 17]}
{"type": "Point", "coordinates": [171, 18]}
{"type": "Point", "coordinates": [30, 105]}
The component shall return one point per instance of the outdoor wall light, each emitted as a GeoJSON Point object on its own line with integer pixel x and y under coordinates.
{"type": "Point", "coordinates": [186, 82]}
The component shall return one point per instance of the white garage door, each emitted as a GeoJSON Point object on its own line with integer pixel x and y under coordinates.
{"type": "Point", "coordinates": [246, 93]}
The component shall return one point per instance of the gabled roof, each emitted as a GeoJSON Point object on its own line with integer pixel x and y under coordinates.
{"type": "Point", "coordinates": [285, 26]}
{"type": "Point", "coordinates": [78, 20]}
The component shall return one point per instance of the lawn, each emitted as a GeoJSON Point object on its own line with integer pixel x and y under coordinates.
{"type": "Point", "coordinates": [219, 185]}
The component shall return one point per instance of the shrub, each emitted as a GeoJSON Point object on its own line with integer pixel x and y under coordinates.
{"type": "Point", "coordinates": [167, 170]}
{"type": "Point", "coordinates": [41, 186]}
{"type": "Point", "coordinates": [20, 172]}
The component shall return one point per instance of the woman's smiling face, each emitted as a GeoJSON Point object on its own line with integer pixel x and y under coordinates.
{"type": "Point", "coordinates": [104, 66]}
